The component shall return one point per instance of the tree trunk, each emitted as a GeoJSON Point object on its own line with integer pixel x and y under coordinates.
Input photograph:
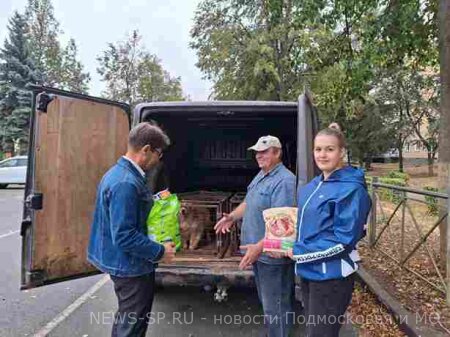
{"type": "Point", "coordinates": [400, 157]}
{"type": "Point", "coordinates": [368, 163]}
{"type": "Point", "coordinates": [430, 164]}
{"type": "Point", "coordinates": [8, 148]}
{"type": "Point", "coordinates": [444, 131]}
{"type": "Point", "coordinates": [23, 147]}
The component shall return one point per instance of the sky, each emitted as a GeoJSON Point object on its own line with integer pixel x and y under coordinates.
{"type": "Point", "coordinates": [164, 26]}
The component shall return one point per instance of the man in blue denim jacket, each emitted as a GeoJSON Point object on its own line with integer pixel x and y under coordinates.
{"type": "Point", "coordinates": [273, 186]}
{"type": "Point", "coordinates": [119, 244]}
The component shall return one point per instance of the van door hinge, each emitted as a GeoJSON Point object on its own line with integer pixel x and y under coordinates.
{"type": "Point", "coordinates": [34, 201]}
{"type": "Point", "coordinates": [225, 113]}
{"type": "Point", "coordinates": [34, 278]}
{"type": "Point", "coordinates": [43, 100]}
{"type": "Point", "coordinates": [26, 223]}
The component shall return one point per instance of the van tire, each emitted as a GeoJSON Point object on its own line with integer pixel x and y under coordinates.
{"type": "Point", "coordinates": [3, 186]}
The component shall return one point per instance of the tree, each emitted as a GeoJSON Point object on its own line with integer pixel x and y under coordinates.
{"type": "Point", "coordinates": [32, 54]}
{"type": "Point", "coordinates": [118, 68]}
{"type": "Point", "coordinates": [156, 84]}
{"type": "Point", "coordinates": [44, 31]}
{"type": "Point", "coordinates": [444, 132]}
{"type": "Point", "coordinates": [134, 75]}
{"type": "Point", "coordinates": [426, 112]}
{"type": "Point", "coordinates": [73, 77]}
{"type": "Point", "coordinates": [247, 48]}
{"type": "Point", "coordinates": [366, 141]}
{"type": "Point", "coordinates": [58, 67]}
{"type": "Point", "coordinates": [410, 96]}
{"type": "Point", "coordinates": [272, 49]}
{"type": "Point", "coordinates": [16, 70]}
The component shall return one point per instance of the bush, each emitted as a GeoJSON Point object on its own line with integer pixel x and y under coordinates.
{"type": "Point", "coordinates": [392, 181]}
{"type": "Point", "coordinates": [387, 194]}
{"type": "Point", "coordinates": [398, 175]}
{"type": "Point", "coordinates": [432, 202]}
{"type": "Point", "coordinates": [369, 180]}
{"type": "Point", "coordinates": [393, 178]}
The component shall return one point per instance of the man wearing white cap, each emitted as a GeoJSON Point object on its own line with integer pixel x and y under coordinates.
{"type": "Point", "coordinates": [273, 186]}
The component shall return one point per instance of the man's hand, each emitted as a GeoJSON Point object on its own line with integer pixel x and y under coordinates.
{"type": "Point", "coordinates": [169, 252]}
{"type": "Point", "coordinates": [224, 224]}
{"type": "Point", "coordinates": [290, 253]}
{"type": "Point", "coordinates": [253, 251]}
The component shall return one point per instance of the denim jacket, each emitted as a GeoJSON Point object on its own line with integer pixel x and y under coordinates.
{"type": "Point", "coordinates": [118, 243]}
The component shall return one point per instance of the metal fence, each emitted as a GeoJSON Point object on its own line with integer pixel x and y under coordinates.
{"type": "Point", "coordinates": [404, 227]}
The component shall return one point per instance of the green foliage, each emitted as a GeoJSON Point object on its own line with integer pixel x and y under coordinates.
{"type": "Point", "coordinates": [387, 194]}
{"type": "Point", "coordinates": [366, 141]}
{"type": "Point", "coordinates": [367, 62]}
{"type": "Point", "coordinates": [410, 98]}
{"type": "Point", "coordinates": [32, 54]}
{"type": "Point", "coordinates": [43, 36]}
{"type": "Point", "coordinates": [133, 75]}
{"type": "Point", "coordinates": [392, 181]}
{"type": "Point", "coordinates": [57, 66]}
{"type": "Point", "coordinates": [398, 175]}
{"type": "Point", "coordinates": [248, 48]}
{"type": "Point", "coordinates": [72, 76]}
{"type": "Point", "coordinates": [432, 202]}
{"type": "Point", "coordinates": [16, 70]}
{"type": "Point", "coordinates": [156, 84]}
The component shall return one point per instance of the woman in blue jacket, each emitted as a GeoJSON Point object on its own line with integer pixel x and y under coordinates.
{"type": "Point", "coordinates": [333, 210]}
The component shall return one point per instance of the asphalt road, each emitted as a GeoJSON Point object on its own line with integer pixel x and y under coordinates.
{"type": "Point", "coordinates": [84, 307]}
{"type": "Point", "coordinates": [24, 312]}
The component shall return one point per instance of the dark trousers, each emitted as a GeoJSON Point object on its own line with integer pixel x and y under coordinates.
{"type": "Point", "coordinates": [325, 303]}
{"type": "Point", "coordinates": [135, 298]}
{"type": "Point", "coordinates": [275, 285]}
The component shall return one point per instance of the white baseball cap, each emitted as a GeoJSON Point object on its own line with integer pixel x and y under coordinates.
{"type": "Point", "coordinates": [266, 142]}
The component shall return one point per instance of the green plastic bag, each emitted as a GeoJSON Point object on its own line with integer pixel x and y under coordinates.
{"type": "Point", "coordinates": [162, 222]}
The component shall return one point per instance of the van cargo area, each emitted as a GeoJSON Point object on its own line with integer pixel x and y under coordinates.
{"type": "Point", "coordinates": [75, 139]}
{"type": "Point", "coordinates": [208, 164]}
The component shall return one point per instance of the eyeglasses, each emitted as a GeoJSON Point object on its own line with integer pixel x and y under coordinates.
{"type": "Point", "coordinates": [159, 152]}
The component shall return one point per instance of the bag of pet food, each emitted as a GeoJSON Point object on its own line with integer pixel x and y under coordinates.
{"type": "Point", "coordinates": [162, 222]}
{"type": "Point", "coordinates": [281, 228]}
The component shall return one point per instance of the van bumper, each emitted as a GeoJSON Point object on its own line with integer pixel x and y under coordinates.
{"type": "Point", "coordinates": [198, 276]}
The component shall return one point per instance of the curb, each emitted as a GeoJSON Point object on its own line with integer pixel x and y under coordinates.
{"type": "Point", "coordinates": [406, 320]}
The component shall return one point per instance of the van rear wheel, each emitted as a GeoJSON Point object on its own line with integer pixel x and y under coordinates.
{"type": "Point", "coordinates": [2, 186]}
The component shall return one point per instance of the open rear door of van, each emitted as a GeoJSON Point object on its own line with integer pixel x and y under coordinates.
{"type": "Point", "coordinates": [307, 128]}
{"type": "Point", "coordinates": [74, 140]}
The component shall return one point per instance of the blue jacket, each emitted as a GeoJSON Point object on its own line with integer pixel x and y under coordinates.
{"type": "Point", "coordinates": [331, 220]}
{"type": "Point", "coordinates": [118, 242]}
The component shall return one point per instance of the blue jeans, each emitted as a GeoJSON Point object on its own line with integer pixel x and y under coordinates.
{"type": "Point", "coordinates": [275, 285]}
